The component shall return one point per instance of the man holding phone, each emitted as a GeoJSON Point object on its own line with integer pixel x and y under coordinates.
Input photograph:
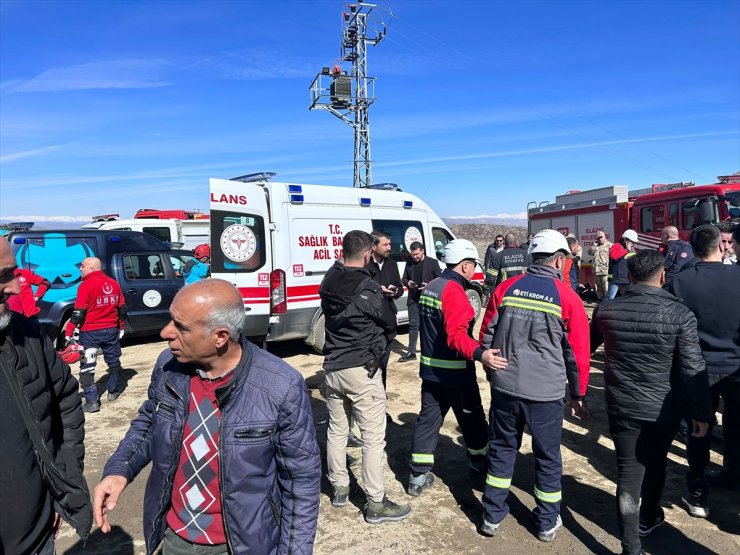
{"type": "Point", "coordinates": [419, 271]}
{"type": "Point", "coordinates": [384, 270]}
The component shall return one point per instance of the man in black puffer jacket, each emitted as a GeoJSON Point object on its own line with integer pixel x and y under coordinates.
{"type": "Point", "coordinates": [654, 375]}
{"type": "Point", "coordinates": [710, 289]}
{"type": "Point", "coordinates": [358, 323]}
{"type": "Point", "coordinates": [42, 428]}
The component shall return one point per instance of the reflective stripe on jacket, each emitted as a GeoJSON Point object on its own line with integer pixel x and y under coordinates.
{"type": "Point", "coordinates": [541, 327]}
{"type": "Point", "coordinates": [446, 328]}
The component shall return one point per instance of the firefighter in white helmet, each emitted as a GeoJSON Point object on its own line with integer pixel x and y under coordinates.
{"type": "Point", "coordinates": [447, 368]}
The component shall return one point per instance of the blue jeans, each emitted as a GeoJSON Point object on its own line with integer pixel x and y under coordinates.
{"type": "Point", "coordinates": [612, 291]}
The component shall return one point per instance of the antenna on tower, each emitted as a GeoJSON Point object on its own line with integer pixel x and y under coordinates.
{"type": "Point", "coordinates": [349, 95]}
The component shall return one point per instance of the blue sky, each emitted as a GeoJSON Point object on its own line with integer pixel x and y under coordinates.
{"type": "Point", "coordinates": [481, 107]}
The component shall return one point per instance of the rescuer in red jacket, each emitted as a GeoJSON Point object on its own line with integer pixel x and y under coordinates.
{"type": "Point", "coordinates": [25, 301]}
{"type": "Point", "coordinates": [100, 313]}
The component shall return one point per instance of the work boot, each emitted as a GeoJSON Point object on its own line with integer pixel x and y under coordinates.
{"type": "Point", "coordinates": [417, 484]}
{"type": "Point", "coordinates": [341, 496]}
{"type": "Point", "coordinates": [113, 395]}
{"type": "Point", "coordinates": [385, 511]}
{"type": "Point", "coordinates": [353, 440]}
{"type": "Point", "coordinates": [549, 535]}
{"type": "Point", "coordinates": [488, 529]}
{"type": "Point", "coordinates": [91, 406]}
{"type": "Point", "coordinates": [411, 355]}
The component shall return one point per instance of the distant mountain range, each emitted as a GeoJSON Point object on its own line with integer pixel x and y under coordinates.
{"type": "Point", "coordinates": [514, 220]}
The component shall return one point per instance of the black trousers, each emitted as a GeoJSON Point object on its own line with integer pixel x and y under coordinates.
{"type": "Point", "coordinates": [413, 309]}
{"type": "Point", "coordinates": [384, 362]}
{"type": "Point", "coordinates": [436, 400]}
{"type": "Point", "coordinates": [697, 448]}
{"type": "Point", "coordinates": [642, 449]}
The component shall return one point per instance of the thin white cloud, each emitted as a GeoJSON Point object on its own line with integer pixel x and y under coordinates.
{"type": "Point", "coordinates": [28, 153]}
{"type": "Point", "coordinates": [559, 148]}
{"type": "Point", "coordinates": [255, 64]}
{"type": "Point", "coordinates": [32, 218]}
{"type": "Point", "coordinates": [112, 74]}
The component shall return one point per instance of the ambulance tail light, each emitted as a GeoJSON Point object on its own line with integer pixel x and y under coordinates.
{"type": "Point", "coordinates": [278, 299]}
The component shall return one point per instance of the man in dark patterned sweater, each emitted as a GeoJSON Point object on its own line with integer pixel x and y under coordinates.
{"type": "Point", "coordinates": [229, 431]}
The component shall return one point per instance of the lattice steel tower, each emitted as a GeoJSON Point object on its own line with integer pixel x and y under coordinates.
{"type": "Point", "coordinates": [344, 94]}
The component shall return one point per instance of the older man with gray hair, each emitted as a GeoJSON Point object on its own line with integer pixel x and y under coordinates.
{"type": "Point", "coordinates": [229, 431]}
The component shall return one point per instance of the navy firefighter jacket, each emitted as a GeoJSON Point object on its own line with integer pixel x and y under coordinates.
{"type": "Point", "coordinates": [446, 328]}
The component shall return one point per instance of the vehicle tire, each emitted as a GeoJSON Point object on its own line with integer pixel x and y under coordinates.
{"type": "Point", "coordinates": [318, 334]}
{"type": "Point", "coordinates": [475, 301]}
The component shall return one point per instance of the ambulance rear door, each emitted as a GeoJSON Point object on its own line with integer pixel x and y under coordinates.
{"type": "Point", "coordinates": [241, 247]}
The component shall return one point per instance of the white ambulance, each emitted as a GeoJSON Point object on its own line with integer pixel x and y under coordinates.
{"type": "Point", "coordinates": [276, 241]}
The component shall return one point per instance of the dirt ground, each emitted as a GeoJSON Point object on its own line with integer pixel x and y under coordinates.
{"type": "Point", "coordinates": [445, 518]}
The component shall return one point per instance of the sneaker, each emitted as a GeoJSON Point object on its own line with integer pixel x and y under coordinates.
{"type": "Point", "coordinates": [488, 529]}
{"type": "Point", "coordinates": [696, 503]}
{"type": "Point", "coordinates": [113, 395]}
{"type": "Point", "coordinates": [386, 511]}
{"type": "Point", "coordinates": [549, 535]}
{"type": "Point", "coordinates": [418, 484]}
{"type": "Point", "coordinates": [341, 496]}
{"type": "Point", "coordinates": [91, 406]}
{"type": "Point", "coordinates": [647, 526]}
{"type": "Point", "coordinates": [353, 440]}
{"type": "Point", "coordinates": [411, 355]}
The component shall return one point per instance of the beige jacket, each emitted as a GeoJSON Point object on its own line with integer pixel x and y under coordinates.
{"type": "Point", "coordinates": [600, 264]}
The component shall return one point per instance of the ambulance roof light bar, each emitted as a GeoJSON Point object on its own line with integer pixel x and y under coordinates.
{"type": "Point", "coordinates": [385, 186]}
{"type": "Point", "coordinates": [252, 177]}
{"type": "Point", "coordinates": [105, 217]}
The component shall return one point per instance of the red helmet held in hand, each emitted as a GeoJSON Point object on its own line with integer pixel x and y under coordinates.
{"type": "Point", "coordinates": [202, 251]}
{"type": "Point", "coordinates": [72, 353]}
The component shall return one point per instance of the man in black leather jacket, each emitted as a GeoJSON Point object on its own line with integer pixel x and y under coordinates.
{"type": "Point", "coordinates": [654, 375]}
{"type": "Point", "coordinates": [384, 270]}
{"type": "Point", "coordinates": [41, 433]}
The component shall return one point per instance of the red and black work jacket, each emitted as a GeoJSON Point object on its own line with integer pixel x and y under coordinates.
{"type": "Point", "coordinates": [541, 328]}
{"type": "Point", "coordinates": [446, 320]}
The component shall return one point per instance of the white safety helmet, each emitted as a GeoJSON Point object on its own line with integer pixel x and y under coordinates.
{"type": "Point", "coordinates": [630, 235]}
{"type": "Point", "coordinates": [458, 250]}
{"type": "Point", "coordinates": [549, 241]}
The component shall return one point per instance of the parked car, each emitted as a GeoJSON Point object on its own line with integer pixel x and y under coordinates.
{"type": "Point", "coordinates": [146, 269]}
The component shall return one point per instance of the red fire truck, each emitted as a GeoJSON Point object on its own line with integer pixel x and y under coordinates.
{"type": "Point", "coordinates": [647, 211]}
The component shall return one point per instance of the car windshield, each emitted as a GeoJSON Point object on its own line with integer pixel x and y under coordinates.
{"type": "Point", "coordinates": [732, 202]}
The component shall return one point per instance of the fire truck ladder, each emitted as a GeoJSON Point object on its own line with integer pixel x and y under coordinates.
{"type": "Point", "coordinates": [350, 94]}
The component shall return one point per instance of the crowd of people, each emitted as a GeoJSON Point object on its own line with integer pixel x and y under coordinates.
{"type": "Point", "coordinates": [228, 428]}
